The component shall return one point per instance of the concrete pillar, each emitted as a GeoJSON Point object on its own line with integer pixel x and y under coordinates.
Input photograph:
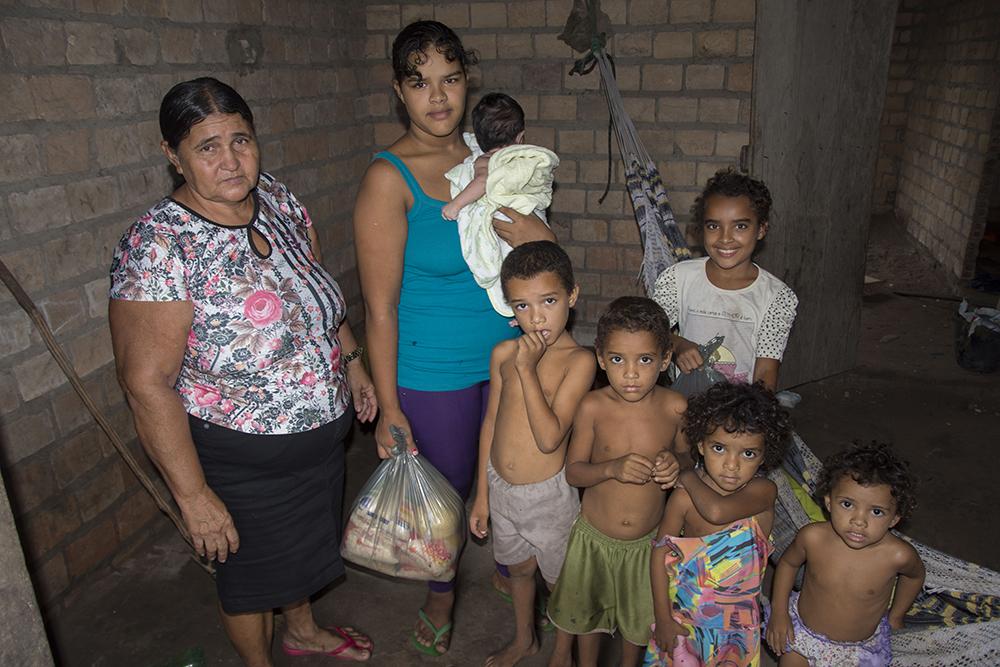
{"type": "Point", "coordinates": [22, 636]}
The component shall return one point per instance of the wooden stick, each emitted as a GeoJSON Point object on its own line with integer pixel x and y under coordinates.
{"type": "Point", "coordinates": [67, 368]}
{"type": "Point", "coordinates": [938, 297]}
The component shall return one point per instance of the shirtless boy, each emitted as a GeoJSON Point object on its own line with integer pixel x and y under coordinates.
{"type": "Point", "coordinates": [624, 451]}
{"type": "Point", "coordinates": [536, 383]}
{"type": "Point", "coordinates": [842, 616]}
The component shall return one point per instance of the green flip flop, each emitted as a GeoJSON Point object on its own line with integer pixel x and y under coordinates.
{"type": "Point", "coordinates": [430, 649]}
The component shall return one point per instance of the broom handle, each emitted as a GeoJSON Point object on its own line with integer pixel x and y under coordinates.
{"type": "Point", "coordinates": [67, 368]}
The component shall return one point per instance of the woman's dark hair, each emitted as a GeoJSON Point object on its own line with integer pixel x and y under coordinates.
{"type": "Point", "coordinates": [634, 314]}
{"type": "Point", "coordinates": [190, 102]}
{"type": "Point", "coordinates": [530, 259]}
{"type": "Point", "coordinates": [739, 408]}
{"type": "Point", "coordinates": [497, 120]}
{"type": "Point", "coordinates": [412, 41]}
{"type": "Point", "coordinates": [730, 183]}
{"type": "Point", "coordinates": [874, 463]}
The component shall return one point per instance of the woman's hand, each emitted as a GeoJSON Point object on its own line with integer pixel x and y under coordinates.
{"type": "Point", "coordinates": [362, 390]}
{"type": "Point", "coordinates": [524, 228]}
{"type": "Point", "coordinates": [383, 437]}
{"type": "Point", "coordinates": [210, 525]}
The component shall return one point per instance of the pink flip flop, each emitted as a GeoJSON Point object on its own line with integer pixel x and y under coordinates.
{"type": "Point", "coordinates": [349, 643]}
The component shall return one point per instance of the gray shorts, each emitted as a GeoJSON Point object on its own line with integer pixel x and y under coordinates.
{"type": "Point", "coordinates": [532, 520]}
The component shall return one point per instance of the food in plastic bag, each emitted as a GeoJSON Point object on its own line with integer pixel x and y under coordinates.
{"type": "Point", "coordinates": [408, 521]}
{"type": "Point", "coordinates": [703, 377]}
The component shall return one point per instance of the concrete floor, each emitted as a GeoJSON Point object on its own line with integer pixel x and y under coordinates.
{"type": "Point", "coordinates": [907, 390]}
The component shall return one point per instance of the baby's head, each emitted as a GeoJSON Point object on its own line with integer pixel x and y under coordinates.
{"type": "Point", "coordinates": [498, 121]}
{"type": "Point", "coordinates": [737, 430]}
{"type": "Point", "coordinates": [537, 281]}
{"type": "Point", "coordinates": [633, 345]}
{"type": "Point", "coordinates": [867, 490]}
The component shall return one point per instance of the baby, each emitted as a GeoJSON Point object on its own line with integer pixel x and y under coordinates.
{"type": "Point", "coordinates": [853, 563]}
{"type": "Point", "coordinates": [502, 171]}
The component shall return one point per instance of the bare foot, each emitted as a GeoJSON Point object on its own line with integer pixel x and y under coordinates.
{"type": "Point", "coordinates": [330, 641]}
{"type": "Point", "coordinates": [512, 653]}
{"type": "Point", "coordinates": [437, 608]}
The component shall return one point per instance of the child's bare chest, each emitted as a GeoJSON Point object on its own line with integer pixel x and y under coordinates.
{"type": "Point", "coordinates": [549, 378]}
{"type": "Point", "coordinates": [624, 433]}
{"type": "Point", "coordinates": [860, 576]}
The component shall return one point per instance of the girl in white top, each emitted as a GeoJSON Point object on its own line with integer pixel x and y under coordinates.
{"type": "Point", "coordinates": [726, 293]}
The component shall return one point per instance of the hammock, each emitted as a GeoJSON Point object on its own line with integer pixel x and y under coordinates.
{"type": "Point", "coordinates": [663, 242]}
{"type": "Point", "coordinates": [949, 622]}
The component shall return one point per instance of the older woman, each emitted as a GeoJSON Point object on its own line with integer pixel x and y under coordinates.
{"type": "Point", "coordinates": [228, 337]}
{"type": "Point", "coordinates": [431, 328]}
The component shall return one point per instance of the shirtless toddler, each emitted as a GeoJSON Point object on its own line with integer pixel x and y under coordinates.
{"type": "Point", "coordinates": [536, 383]}
{"type": "Point", "coordinates": [624, 451]}
{"type": "Point", "coordinates": [842, 616]}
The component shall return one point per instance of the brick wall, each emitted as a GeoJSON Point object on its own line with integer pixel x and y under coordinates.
{"type": "Point", "coordinates": [81, 83]}
{"type": "Point", "coordinates": [684, 67]}
{"type": "Point", "coordinates": [942, 196]}
{"type": "Point", "coordinates": [902, 60]}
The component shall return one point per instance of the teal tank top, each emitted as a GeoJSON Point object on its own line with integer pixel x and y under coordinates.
{"type": "Point", "coordinates": [447, 327]}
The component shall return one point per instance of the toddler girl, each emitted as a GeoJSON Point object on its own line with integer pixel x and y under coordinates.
{"type": "Point", "coordinates": [854, 567]}
{"type": "Point", "coordinates": [708, 562]}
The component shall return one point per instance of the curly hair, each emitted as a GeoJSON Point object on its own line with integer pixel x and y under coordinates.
{"type": "Point", "coordinates": [413, 41]}
{"type": "Point", "coordinates": [497, 120]}
{"type": "Point", "coordinates": [534, 257]}
{"type": "Point", "coordinates": [870, 464]}
{"type": "Point", "coordinates": [730, 183]}
{"type": "Point", "coordinates": [739, 408]}
{"type": "Point", "coordinates": [633, 314]}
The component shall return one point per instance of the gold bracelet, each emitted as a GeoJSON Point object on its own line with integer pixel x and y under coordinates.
{"type": "Point", "coordinates": [351, 356]}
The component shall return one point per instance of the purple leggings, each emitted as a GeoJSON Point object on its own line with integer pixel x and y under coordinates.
{"type": "Point", "coordinates": [446, 429]}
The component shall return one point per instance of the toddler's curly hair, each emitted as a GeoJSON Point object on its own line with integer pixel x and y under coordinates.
{"type": "Point", "coordinates": [632, 314]}
{"type": "Point", "coordinates": [739, 408]}
{"type": "Point", "coordinates": [730, 183]}
{"type": "Point", "coordinates": [870, 464]}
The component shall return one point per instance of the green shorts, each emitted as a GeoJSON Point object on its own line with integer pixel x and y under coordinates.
{"type": "Point", "coordinates": [604, 585]}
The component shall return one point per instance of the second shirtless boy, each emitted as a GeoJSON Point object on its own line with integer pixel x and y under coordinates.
{"type": "Point", "coordinates": [624, 451]}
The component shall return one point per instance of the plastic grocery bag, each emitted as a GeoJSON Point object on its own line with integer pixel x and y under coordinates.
{"type": "Point", "coordinates": [977, 338]}
{"type": "Point", "coordinates": [408, 521]}
{"type": "Point", "coordinates": [703, 377]}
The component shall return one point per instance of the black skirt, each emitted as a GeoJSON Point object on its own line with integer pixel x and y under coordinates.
{"type": "Point", "coordinates": [285, 494]}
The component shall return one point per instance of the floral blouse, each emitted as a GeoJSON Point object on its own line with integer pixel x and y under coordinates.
{"type": "Point", "coordinates": [262, 354]}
